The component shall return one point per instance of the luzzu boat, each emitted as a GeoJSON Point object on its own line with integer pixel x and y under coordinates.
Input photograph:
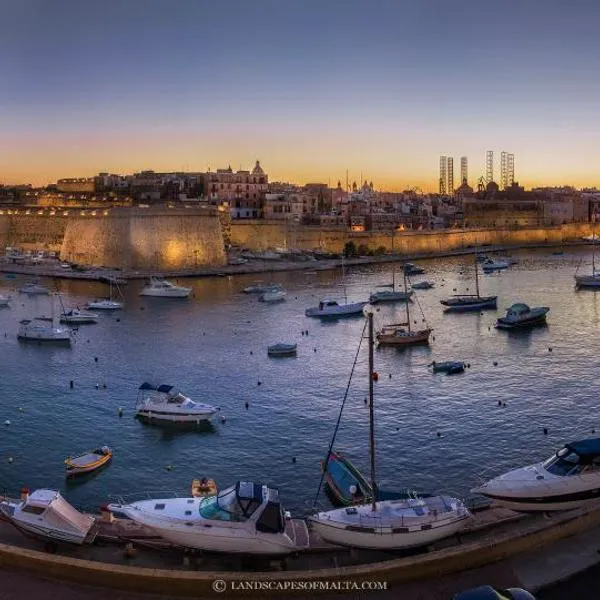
{"type": "Point", "coordinates": [341, 476]}
{"type": "Point", "coordinates": [88, 461]}
{"type": "Point", "coordinates": [567, 480]}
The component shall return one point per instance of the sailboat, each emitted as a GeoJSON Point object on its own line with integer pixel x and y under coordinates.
{"type": "Point", "coordinates": [37, 330]}
{"type": "Point", "coordinates": [332, 309]}
{"type": "Point", "coordinates": [106, 303]}
{"type": "Point", "coordinates": [466, 302]}
{"type": "Point", "coordinates": [589, 281]}
{"type": "Point", "coordinates": [389, 524]}
{"type": "Point", "coordinates": [392, 295]}
{"type": "Point", "coordinates": [401, 334]}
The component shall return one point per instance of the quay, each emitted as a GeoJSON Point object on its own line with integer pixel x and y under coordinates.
{"type": "Point", "coordinates": [52, 268]}
{"type": "Point", "coordinates": [499, 547]}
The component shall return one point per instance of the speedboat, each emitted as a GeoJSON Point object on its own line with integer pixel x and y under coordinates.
{"type": "Point", "coordinates": [332, 309]}
{"type": "Point", "coordinates": [568, 479]}
{"type": "Point", "coordinates": [422, 285]}
{"type": "Point", "coordinates": [273, 296]}
{"type": "Point", "coordinates": [520, 315]}
{"type": "Point", "coordinates": [400, 335]}
{"type": "Point", "coordinates": [390, 296]}
{"type": "Point", "coordinates": [47, 515]}
{"type": "Point", "coordinates": [489, 265]}
{"type": "Point", "coordinates": [282, 349]}
{"type": "Point", "coordinates": [412, 269]}
{"type": "Point", "coordinates": [163, 403]}
{"type": "Point", "coordinates": [246, 518]}
{"type": "Point", "coordinates": [88, 461]}
{"type": "Point", "coordinates": [104, 304]}
{"type": "Point", "coordinates": [38, 331]}
{"type": "Point", "coordinates": [78, 317]}
{"type": "Point", "coordinates": [261, 288]}
{"type": "Point", "coordinates": [34, 288]}
{"type": "Point", "coordinates": [165, 289]}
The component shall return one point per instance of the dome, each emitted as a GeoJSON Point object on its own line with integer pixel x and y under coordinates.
{"type": "Point", "coordinates": [492, 187]}
{"type": "Point", "coordinates": [257, 169]}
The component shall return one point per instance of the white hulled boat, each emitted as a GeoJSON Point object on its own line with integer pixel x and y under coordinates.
{"type": "Point", "coordinates": [282, 349]}
{"type": "Point", "coordinates": [33, 288]}
{"type": "Point", "coordinates": [246, 518]}
{"type": "Point", "coordinates": [470, 302]}
{"type": "Point", "coordinates": [390, 524]}
{"type": "Point", "coordinates": [392, 295]}
{"type": "Point", "coordinates": [332, 309]}
{"type": "Point", "coordinates": [589, 281]}
{"type": "Point", "coordinates": [567, 480]}
{"type": "Point", "coordinates": [39, 330]}
{"type": "Point", "coordinates": [4, 300]}
{"type": "Point", "coordinates": [74, 316]}
{"type": "Point", "coordinates": [106, 303]}
{"type": "Point", "coordinates": [490, 264]}
{"type": "Point", "coordinates": [520, 315]}
{"type": "Point", "coordinates": [273, 296]}
{"type": "Point", "coordinates": [161, 288]}
{"type": "Point", "coordinates": [47, 515]}
{"type": "Point", "coordinates": [262, 288]}
{"type": "Point", "coordinates": [165, 404]}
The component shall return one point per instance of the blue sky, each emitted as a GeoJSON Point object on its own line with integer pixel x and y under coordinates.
{"type": "Point", "coordinates": [311, 88]}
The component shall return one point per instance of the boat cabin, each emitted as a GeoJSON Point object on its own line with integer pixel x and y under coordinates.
{"type": "Point", "coordinates": [323, 304]}
{"type": "Point", "coordinates": [576, 458]}
{"type": "Point", "coordinates": [163, 393]}
{"type": "Point", "coordinates": [517, 310]}
{"type": "Point", "coordinates": [246, 501]}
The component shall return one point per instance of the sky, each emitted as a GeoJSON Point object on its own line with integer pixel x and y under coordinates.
{"type": "Point", "coordinates": [312, 89]}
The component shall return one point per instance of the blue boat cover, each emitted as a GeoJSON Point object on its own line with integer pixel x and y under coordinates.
{"type": "Point", "coordinates": [159, 388]}
{"type": "Point", "coordinates": [589, 447]}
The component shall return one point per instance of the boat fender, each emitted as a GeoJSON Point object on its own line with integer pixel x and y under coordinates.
{"type": "Point", "coordinates": [390, 375]}
{"type": "Point", "coordinates": [365, 400]}
{"type": "Point", "coordinates": [10, 459]}
{"type": "Point", "coordinates": [120, 411]}
{"type": "Point", "coordinates": [375, 376]}
{"type": "Point", "coordinates": [499, 403]}
{"type": "Point", "coordinates": [439, 434]}
{"type": "Point", "coordinates": [293, 460]}
{"type": "Point", "coordinates": [7, 422]}
{"type": "Point", "coordinates": [223, 420]}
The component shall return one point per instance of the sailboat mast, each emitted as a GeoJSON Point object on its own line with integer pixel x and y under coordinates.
{"type": "Point", "coordinates": [476, 276]}
{"type": "Point", "coordinates": [371, 412]}
{"type": "Point", "coordinates": [407, 303]}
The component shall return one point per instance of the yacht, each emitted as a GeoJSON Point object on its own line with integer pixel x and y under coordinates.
{"type": "Point", "coordinates": [104, 304]}
{"type": "Point", "coordinates": [470, 302]}
{"type": "Point", "coordinates": [47, 515]}
{"type": "Point", "coordinates": [163, 403]}
{"type": "Point", "coordinates": [566, 480]}
{"type": "Point", "coordinates": [390, 296]}
{"type": "Point", "coordinates": [520, 315]}
{"type": "Point", "coordinates": [165, 289]}
{"type": "Point", "coordinates": [34, 288]}
{"type": "Point", "coordinates": [332, 309]}
{"type": "Point", "coordinates": [75, 316]}
{"type": "Point", "coordinates": [489, 265]}
{"type": "Point", "coordinates": [40, 331]}
{"type": "Point", "coordinates": [246, 518]}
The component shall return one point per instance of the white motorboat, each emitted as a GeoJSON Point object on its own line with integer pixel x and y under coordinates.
{"type": "Point", "coordinates": [390, 296]}
{"type": "Point", "coordinates": [262, 288]}
{"type": "Point", "coordinates": [332, 309]}
{"type": "Point", "coordinates": [246, 518]}
{"type": "Point", "coordinates": [591, 238]}
{"type": "Point", "coordinates": [390, 524]}
{"type": "Point", "coordinates": [567, 480]}
{"type": "Point", "coordinates": [33, 289]}
{"type": "Point", "coordinates": [273, 296]}
{"type": "Point", "coordinates": [165, 404]}
{"type": "Point", "coordinates": [161, 288]}
{"type": "Point", "coordinates": [75, 316]}
{"type": "Point", "coordinates": [490, 264]}
{"type": "Point", "coordinates": [520, 315]}
{"type": "Point", "coordinates": [104, 304]}
{"type": "Point", "coordinates": [4, 300]}
{"type": "Point", "coordinates": [47, 515]}
{"type": "Point", "coordinates": [39, 330]}
{"type": "Point", "coordinates": [282, 349]}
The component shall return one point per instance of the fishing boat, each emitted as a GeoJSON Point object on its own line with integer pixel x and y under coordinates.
{"type": "Point", "coordinates": [165, 404]}
{"type": "Point", "coordinates": [161, 288]}
{"type": "Point", "coordinates": [470, 302]}
{"type": "Point", "coordinates": [38, 330]}
{"type": "Point", "coordinates": [106, 303]}
{"type": "Point", "coordinates": [422, 285]}
{"type": "Point", "coordinates": [46, 515]}
{"type": "Point", "coordinates": [282, 349]}
{"type": "Point", "coordinates": [345, 483]}
{"type": "Point", "coordinates": [88, 461]}
{"type": "Point", "coordinates": [389, 524]}
{"type": "Point", "coordinates": [75, 316]}
{"type": "Point", "coordinates": [521, 315]}
{"type": "Point", "coordinates": [491, 264]}
{"type": "Point", "coordinates": [568, 479]}
{"type": "Point", "coordinates": [402, 334]}
{"type": "Point", "coordinates": [34, 289]}
{"type": "Point", "coordinates": [450, 367]}
{"type": "Point", "coordinates": [273, 296]}
{"type": "Point", "coordinates": [246, 518]}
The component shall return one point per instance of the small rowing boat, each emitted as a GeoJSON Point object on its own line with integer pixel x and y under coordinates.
{"type": "Point", "coordinates": [88, 461]}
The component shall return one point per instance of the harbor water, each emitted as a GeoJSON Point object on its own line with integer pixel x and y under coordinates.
{"type": "Point", "coordinates": [433, 432]}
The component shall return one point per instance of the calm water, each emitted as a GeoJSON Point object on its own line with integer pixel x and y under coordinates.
{"type": "Point", "coordinates": [214, 348]}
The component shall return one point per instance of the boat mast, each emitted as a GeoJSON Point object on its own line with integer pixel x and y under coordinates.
{"type": "Point", "coordinates": [476, 276]}
{"type": "Point", "coordinates": [407, 303]}
{"type": "Point", "coordinates": [371, 412]}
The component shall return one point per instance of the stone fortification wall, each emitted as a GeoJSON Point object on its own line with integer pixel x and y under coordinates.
{"type": "Point", "coordinates": [32, 232]}
{"type": "Point", "coordinates": [146, 239]}
{"type": "Point", "coordinates": [263, 235]}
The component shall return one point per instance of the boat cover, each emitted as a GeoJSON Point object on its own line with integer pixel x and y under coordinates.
{"type": "Point", "coordinates": [588, 448]}
{"type": "Point", "coordinates": [159, 388]}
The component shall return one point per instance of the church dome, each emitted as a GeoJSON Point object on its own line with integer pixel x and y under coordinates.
{"type": "Point", "coordinates": [257, 169]}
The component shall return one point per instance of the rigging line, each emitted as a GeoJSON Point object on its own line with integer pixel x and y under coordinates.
{"type": "Point", "coordinates": [337, 425]}
{"type": "Point", "coordinates": [418, 304]}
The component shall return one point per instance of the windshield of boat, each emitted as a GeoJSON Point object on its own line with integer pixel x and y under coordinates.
{"type": "Point", "coordinates": [177, 398]}
{"type": "Point", "coordinates": [228, 507]}
{"type": "Point", "coordinates": [564, 462]}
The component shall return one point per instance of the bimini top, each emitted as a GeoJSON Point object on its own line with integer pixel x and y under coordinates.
{"type": "Point", "coordinates": [158, 388]}
{"type": "Point", "coordinates": [585, 448]}
{"type": "Point", "coordinates": [247, 490]}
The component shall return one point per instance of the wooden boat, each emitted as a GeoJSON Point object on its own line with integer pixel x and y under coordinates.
{"type": "Point", "coordinates": [88, 461]}
{"type": "Point", "coordinates": [340, 476]}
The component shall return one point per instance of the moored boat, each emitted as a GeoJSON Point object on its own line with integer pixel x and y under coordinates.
{"type": "Point", "coordinates": [75, 316]}
{"type": "Point", "coordinates": [491, 264]}
{"type": "Point", "coordinates": [521, 315]}
{"type": "Point", "coordinates": [345, 483]}
{"type": "Point", "coordinates": [412, 269]}
{"type": "Point", "coordinates": [282, 349]}
{"type": "Point", "coordinates": [104, 304]}
{"type": "Point", "coordinates": [262, 288]}
{"type": "Point", "coordinates": [273, 296]}
{"type": "Point", "coordinates": [470, 302]}
{"type": "Point", "coordinates": [568, 479]}
{"type": "Point", "coordinates": [450, 367]}
{"type": "Point", "coordinates": [88, 461]}
{"type": "Point", "coordinates": [34, 289]}
{"type": "Point", "coordinates": [246, 518]}
{"type": "Point", "coordinates": [332, 309]}
{"type": "Point", "coordinates": [165, 404]}
{"type": "Point", "coordinates": [390, 296]}
{"type": "Point", "coordinates": [422, 285]}
{"type": "Point", "coordinates": [4, 300]}
{"type": "Point", "coordinates": [161, 288]}
{"type": "Point", "coordinates": [47, 515]}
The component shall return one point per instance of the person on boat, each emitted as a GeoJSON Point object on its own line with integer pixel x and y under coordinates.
{"type": "Point", "coordinates": [356, 494]}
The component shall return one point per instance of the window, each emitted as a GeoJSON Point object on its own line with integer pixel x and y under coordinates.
{"type": "Point", "coordinates": [35, 510]}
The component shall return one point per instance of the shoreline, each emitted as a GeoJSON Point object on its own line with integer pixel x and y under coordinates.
{"type": "Point", "coordinates": [255, 266]}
